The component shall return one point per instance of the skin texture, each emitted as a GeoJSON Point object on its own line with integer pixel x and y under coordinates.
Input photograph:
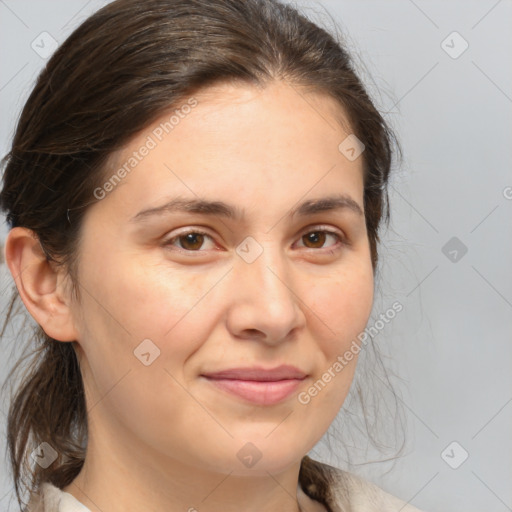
{"type": "Point", "coordinates": [161, 437]}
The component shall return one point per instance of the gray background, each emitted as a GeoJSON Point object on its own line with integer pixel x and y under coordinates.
{"type": "Point", "coordinates": [451, 345]}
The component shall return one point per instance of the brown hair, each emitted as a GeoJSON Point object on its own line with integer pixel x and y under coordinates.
{"type": "Point", "coordinates": [114, 75]}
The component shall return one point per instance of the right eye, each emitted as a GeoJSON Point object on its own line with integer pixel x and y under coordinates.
{"type": "Point", "coordinates": [190, 241]}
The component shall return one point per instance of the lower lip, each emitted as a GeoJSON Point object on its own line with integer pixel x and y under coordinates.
{"type": "Point", "coordinates": [259, 392]}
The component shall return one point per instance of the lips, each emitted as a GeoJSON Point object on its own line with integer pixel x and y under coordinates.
{"type": "Point", "coordinates": [258, 385]}
{"type": "Point", "coordinates": [282, 372]}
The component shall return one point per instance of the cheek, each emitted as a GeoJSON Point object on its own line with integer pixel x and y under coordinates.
{"type": "Point", "coordinates": [124, 308]}
{"type": "Point", "coordinates": [344, 303]}
{"type": "Point", "coordinates": [134, 302]}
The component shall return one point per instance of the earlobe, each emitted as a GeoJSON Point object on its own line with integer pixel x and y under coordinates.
{"type": "Point", "coordinates": [40, 284]}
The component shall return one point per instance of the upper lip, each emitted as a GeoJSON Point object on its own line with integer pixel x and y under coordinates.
{"type": "Point", "coordinates": [282, 372]}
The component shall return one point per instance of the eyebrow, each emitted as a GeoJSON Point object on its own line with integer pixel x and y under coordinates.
{"type": "Point", "coordinates": [222, 209]}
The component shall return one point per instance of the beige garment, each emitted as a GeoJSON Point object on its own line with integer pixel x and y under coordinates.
{"type": "Point", "coordinates": [355, 494]}
{"type": "Point", "coordinates": [350, 494]}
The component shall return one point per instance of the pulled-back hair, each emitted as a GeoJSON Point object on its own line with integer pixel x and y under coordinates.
{"type": "Point", "coordinates": [115, 74]}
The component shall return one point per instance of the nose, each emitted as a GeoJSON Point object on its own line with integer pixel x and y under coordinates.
{"type": "Point", "coordinates": [263, 304]}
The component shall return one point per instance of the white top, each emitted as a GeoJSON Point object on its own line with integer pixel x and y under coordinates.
{"type": "Point", "coordinates": [351, 493]}
{"type": "Point", "coordinates": [65, 502]}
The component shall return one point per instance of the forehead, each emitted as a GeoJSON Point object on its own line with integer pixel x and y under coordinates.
{"type": "Point", "coordinates": [240, 143]}
{"type": "Point", "coordinates": [282, 106]}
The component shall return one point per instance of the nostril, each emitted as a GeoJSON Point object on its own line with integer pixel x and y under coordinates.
{"type": "Point", "coordinates": [254, 333]}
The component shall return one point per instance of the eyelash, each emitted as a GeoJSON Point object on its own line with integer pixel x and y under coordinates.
{"type": "Point", "coordinates": [317, 229]}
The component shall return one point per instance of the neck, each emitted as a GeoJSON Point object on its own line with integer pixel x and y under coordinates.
{"type": "Point", "coordinates": [141, 480]}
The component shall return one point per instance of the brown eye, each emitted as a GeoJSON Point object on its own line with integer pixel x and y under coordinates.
{"type": "Point", "coordinates": [316, 239]}
{"type": "Point", "coordinates": [191, 241]}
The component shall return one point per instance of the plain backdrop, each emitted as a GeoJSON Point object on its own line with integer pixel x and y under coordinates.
{"type": "Point", "coordinates": [441, 72]}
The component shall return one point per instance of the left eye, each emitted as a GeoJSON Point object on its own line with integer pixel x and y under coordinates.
{"type": "Point", "coordinates": [191, 241]}
{"type": "Point", "coordinates": [319, 237]}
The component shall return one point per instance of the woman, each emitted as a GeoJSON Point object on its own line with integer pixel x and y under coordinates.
{"type": "Point", "coordinates": [194, 192]}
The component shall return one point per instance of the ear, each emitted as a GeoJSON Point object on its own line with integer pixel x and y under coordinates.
{"type": "Point", "coordinates": [40, 283]}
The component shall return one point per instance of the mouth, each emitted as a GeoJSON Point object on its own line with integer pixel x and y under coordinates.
{"type": "Point", "coordinates": [258, 385]}
{"type": "Point", "coordinates": [259, 392]}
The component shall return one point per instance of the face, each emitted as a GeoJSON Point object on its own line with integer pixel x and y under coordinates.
{"type": "Point", "coordinates": [170, 298]}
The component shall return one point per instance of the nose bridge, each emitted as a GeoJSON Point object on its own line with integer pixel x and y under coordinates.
{"type": "Point", "coordinates": [262, 263]}
{"type": "Point", "coordinates": [263, 298]}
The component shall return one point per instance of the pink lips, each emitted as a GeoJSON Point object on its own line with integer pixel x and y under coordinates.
{"type": "Point", "coordinates": [257, 385]}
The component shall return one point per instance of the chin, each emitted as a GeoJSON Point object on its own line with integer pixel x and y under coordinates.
{"type": "Point", "coordinates": [256, 456]}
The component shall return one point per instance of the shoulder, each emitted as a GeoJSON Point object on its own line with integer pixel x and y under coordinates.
{"type": "Point", "coordinates": [52, 499]}
{"type": "Point", "coordinates": [349, 492]}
